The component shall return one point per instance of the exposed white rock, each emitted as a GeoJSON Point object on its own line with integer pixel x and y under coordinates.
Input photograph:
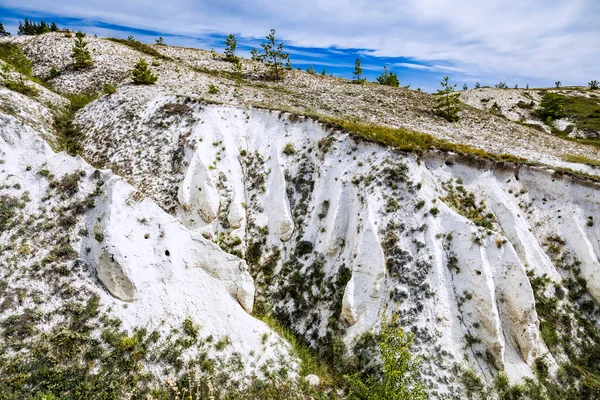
{"type": "Point", "coordinates": [197, 191]}
{"type": "Point", "coordinates": [143, 257]}
{"type": "Point", "coordinates": [312, 380]}
{"type": "Point", "coordinates": [348, 307]}
{"type": "Point", "coordinates": [347, 223]}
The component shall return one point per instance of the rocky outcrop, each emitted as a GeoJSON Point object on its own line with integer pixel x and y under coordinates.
{"type": "Point", "coordinates": [398, 226]}
{"type": "Point", "coordinates": [146, 269]}
{"type": "Point", "coordinates": [136, 245]}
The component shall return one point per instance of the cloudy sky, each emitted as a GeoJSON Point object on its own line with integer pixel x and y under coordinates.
{"type": "Point", "coordinates": [534, 42]}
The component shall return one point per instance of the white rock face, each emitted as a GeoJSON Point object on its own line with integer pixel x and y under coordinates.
{"type": "Point", "coordinates": [142, 245]}
{"type": "Point", "coordinates": [156, 272]}
{"type": "Point", "coordinates": [349, 311]}
{"type": "Point", "coordinates": [198, 192]}
{"type": "Point", "coordinates": [334, 194]}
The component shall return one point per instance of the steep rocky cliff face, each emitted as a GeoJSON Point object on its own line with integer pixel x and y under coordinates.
{"type": "Point", "coordinates": [338, 231]}
{"type": "Point", "coordinates": [184, 217]}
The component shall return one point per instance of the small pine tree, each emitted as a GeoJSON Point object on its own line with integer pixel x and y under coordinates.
{"type": "Point", "coordinates": [160, 41]}
{"type": "Point", "coordinates": [447, 104]}
{"type": "Point", "coordinates": [255, 55]}
{"type": "Point", "coordinates": [558, 84]}
{"type": "Point", "coordinates": [501, 85]}
{"type": "Point", "coordinates": [237, 68]}
{"type": "Point", "coordinates": [130, 38]}
{"type": "Point", "coordinates": [324, 72]}
{"type": "Point", "coordinates": [594, 85]}
{"type": "Point", "coordinates": [388, 78]}
{"type": "Point", "coordinates": [516, 86]}
{"type": "Point", "coordinates": [527, 86]}
{"type": "Point", "coordinates": [477, 85]}
{"type": "Point", "coordinates": [53, 27]}
{"type": "Point", "coordinates": [465, 87]}
{"type": "Point", "coordinates": [22, 29]}
{"type": "Point", "coordinates": [358, 71]}
{"type": "Point", "coordinates": [80, 53]}
{"type": "Point", "coordinates": [274, 55]}
{"type": "Point", "coordinates": [230, 46]}
{"type": "Point", "coordinates": [43, 27]}
{"type": "Point", "coordinates": [141, 74]}
{"type": "Point", "coordinates": [311, 70]}
{"type": "Point", "coordinates": [3, 32]}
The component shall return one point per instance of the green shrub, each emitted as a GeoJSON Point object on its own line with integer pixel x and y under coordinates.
{"type": "Point", "coordinates": [594, 85]}
{"type": "Point", "coordinates": [109, 89]}
{"type": "Point", "coordinates": [230, 46]}
{"type": "Point", "coordinates": [552, 106]}
{"type": "Point", "coordinates": [54, 72]}
{"type": "Point", "coordinates": [141, 74]}
{"type": "Point", "coordinates": [388, 78]}
{"type": "Point", "coordinates": [3, 32]}
{"type": "Point", "coordinates": [304, 247]}
{"type": "Point", "coordinates": [212, 89]}
{"type": "Point", "coordinates": [473, 384]}
{"type": "Point", "coordinates": [237, 69]}
{"type": "Point", "coordinates": [289, 149]}
{"type": "Point", "coordinates": [358, 71]}
{"type": "Point", "coordinates": [400, 375]}
{"type": "Point", "coordinates": [274, 56]}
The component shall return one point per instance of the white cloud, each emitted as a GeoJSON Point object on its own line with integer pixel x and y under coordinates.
{"type": "Point", "coordinates": [415, 66]}
{"type": "Point", "coordinates": [517, 39]}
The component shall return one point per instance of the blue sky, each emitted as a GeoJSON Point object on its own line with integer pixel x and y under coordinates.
{"type": "Point", "coordinates": [520, 42]}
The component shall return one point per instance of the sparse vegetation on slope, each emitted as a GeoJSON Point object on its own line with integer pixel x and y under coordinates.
{"type": "Point", "coordinates": [141, 47]}
{"type": "Point", "coordinates": [69, 135]}
{"type": "Point", "coordinates": [16, 64]}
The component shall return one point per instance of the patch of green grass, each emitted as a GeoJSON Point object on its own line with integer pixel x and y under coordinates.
{"type": "Point", "coordinates": [217, 73]}
{"type": "Point", "coordinates": [416, 142]}
{"type": "Point", "coordinates": [412, 141]}
{"type": "Point", "coordinates": [141, 47]}
{"type": "Point", "coordinates": [585, 112]}
{"type": "Point", "coordinates": [310, 362]}
{"type": "Point", "coordinates": [581, 160]}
